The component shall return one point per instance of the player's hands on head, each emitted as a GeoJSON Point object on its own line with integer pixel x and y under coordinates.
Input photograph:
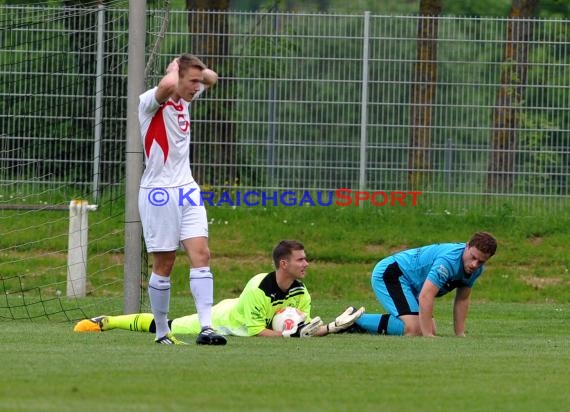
{"type": "Point", "coordinates": [172, 66]}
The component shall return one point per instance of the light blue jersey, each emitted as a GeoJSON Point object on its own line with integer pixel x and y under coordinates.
{"type": "Point", "coordinates": [440, 263]}
{"type": "Point", "coordinates": [398, 279]}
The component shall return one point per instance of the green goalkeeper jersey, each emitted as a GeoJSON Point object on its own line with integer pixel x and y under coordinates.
{"type": "Point", "coordinates": [253, 310]}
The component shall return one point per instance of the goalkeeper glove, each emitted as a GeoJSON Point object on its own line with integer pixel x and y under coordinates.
{"type": "Point", "coordinates": [304, 330]}
{"type": "Point", "coordinates": [345, 320]}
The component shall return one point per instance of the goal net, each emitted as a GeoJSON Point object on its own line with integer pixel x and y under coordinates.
{"type": "Point", "coordinates": [63, 106]}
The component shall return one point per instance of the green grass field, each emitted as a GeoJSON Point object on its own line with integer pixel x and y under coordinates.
{"type": "Point", "coordinates": [515, 357]}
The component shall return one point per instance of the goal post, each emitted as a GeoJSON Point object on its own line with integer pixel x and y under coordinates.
{"type": "Point", "coordinates": [77, 247]}
{"type": "Point", "coordinates": [134, 158]}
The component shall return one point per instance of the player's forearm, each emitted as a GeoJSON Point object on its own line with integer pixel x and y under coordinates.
{"type": "Point", "coordinates": [426, 316]}
{"type": "Point", "coordinates": [460, 331]}
{"type": "Point", "coordinates": [210, 77]}
{"type": "Point", "coordinates": [269, 333]}
{"type": "Point", "coordinates": [460, 309]}
{"type": "Point", "coordinates": [426, 300]}
{"type": "Point", "coordinates": [170, 79]}
{"type": "Point", "coordinates": [426, 324]}
{"type": "Point", "coordinates": [167, 86]}
{"type": "Point", "coordinates": [459, 327]}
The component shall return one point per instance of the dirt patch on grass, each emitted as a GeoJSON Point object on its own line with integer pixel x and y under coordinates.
{"type": "Point", "coordinates": [540, 283]}
{"type": "Point", "coordinates": [399, 248]}
{"type": "Point", "coordinates": [255, 262]}
{"type": "Point", "coordinates": [536, 240]}
{"type": "Point", "coordinates": [381, 250]}
{"type": "Point", "coordinates": [375, 249]}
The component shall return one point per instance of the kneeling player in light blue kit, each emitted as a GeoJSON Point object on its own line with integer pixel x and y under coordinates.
{"type": "Point", "coordinates": [407, 283]}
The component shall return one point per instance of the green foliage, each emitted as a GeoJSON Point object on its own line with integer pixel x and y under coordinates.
{"type": "Point", "coordinates": [50, 93]}
{"type": "Point", "coordinates": [476, 8]}
{"type": "Point", "coordinates": [543, 142]}
{"type": "Point", "coordinates": [473, 8]}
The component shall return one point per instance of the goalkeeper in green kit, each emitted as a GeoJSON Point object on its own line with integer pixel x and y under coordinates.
{"type": "Point", "coordinates": [252, 312]}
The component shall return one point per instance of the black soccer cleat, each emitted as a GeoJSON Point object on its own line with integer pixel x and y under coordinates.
{"type": "Point", "coordinates": [209, 337]}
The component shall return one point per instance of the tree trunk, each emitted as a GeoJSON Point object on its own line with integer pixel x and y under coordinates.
{"type": "Point", "coordinates": [212, 45]}
{"type": "Point", "coordinates": [506, 114]}
{"type": "Point", "coordinates": [423, 94]}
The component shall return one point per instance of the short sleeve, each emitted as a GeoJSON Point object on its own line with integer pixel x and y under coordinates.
{"type": "Point", "coordinates": [147, 101]}
{"type": "Point", "coordinates": [440, 273]}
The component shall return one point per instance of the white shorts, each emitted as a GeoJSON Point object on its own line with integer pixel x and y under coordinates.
{"type": "Point", "coordinates": [171, 215]}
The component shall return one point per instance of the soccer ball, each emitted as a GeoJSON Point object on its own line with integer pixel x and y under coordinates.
{"type": "Point", "coordinates": [287, 319]}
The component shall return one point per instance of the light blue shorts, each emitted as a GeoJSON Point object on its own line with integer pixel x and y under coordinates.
{"type": "Point", "coordinates": [392, 289]}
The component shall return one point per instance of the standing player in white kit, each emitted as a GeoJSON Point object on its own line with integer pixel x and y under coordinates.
{"type": "Point", "coordinates": [169, 199]}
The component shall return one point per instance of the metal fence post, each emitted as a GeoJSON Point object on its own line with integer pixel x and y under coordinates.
{"type": "Point", "coordinates": [364, 101]}
{"type": "Point", "coordinates": [98, 102]}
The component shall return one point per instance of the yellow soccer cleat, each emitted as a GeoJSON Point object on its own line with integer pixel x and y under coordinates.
{"type": "Point", "coordinates": [170, 339]}
{"type": "Point", "coordinates": [91, 325]}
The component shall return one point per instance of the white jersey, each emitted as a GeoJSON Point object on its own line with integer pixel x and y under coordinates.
{"type": "Point", "coordinates": [165, 133]}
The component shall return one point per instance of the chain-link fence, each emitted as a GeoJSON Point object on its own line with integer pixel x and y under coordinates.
{"type": "Point", "coordinates": [463, 109]}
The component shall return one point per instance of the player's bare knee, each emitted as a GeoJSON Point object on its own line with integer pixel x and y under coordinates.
{"type": "Point", "coordinates": [200, 257]}
{"type": "Point", "coordinates": [163, 262]}
{"type": "Point", "coordinates": [412, 326]}
{"type": "Point", "coordinates": [412, 332]}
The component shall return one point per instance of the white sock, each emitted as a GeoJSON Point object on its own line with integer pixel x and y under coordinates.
{"type": "Point", "coordinates": [202, 288]}
{"type": "Point", "coordinates": [159, 295]}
